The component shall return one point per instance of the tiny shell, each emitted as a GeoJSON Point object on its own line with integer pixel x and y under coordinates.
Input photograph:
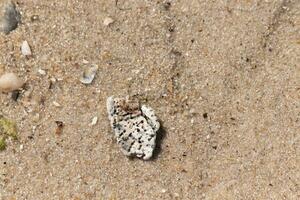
{"type": "Point", "coordinates": [25, 49]}
{"type": "Point", "coordinates": [89, 75]}
{"type": "Point", "coordinates": [10, 82]}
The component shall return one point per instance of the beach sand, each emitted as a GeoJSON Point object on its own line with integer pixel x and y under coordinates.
{"type": "Point", "coordinates": [222, 76]}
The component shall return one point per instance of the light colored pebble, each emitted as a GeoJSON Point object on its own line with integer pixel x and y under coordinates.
{"type": "Point", "coordinates": [89, 75]}
{"type": "Point", "coordinates": [42, 72]}
{"type": "Point", "coordinates": [53, 79]}
{"type": "Point", "coordinates": [33, 128]}
{"type": "Point", "coordinates": [94, 121]}
{"type": "Point", "coordinates": [25, 49]}
{"type": "Point", "coordinates": [107, 21]}
{"type": "Point", "coordinates": [10, 82]}
{"type": "Point", "coordinates": [56, 104]}
{"type": "Point", "coordinates": [36, 117]}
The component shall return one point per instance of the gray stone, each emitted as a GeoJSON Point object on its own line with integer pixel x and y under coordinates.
{"type": "Point", "coordinates": [9, 16]}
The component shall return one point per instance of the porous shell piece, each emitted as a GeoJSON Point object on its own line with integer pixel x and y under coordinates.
{"type": "Point", "coordinates": [10, 82]}
{"type": "Point", "coordinates": [134, 127]}
{"type": "Point", "coordinates": [9, 16]}
{"type": "Point", "coordinates": [89, 74]}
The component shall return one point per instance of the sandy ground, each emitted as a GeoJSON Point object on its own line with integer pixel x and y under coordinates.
{"type": "Point", "coordinates": [222, 76]}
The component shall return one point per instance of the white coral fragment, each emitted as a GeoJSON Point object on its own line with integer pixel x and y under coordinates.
{"type": "Point", "coordinates": [134, 127]}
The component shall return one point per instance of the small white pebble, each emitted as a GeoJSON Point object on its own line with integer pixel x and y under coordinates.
{"type": "Point", "coordinates": [107, 21]}
{"type": "Point", "coordinates": [94, 121]}
{"type": "Point", "coordinates": [33, 128]}
{"type": "Point", "coordinates": [53, 79]}
{"type": "Point", "coordinates": [56, 104]}
{"type": "Point", "coordinates": [42, 72]}
{"type": "Point", "coordinates": [163, 190]}
{"type": "Point", "coordinates": [21, 147]}
{"type": "Point", "coordinates": [84, 61]}
{"type": "Point", "coordinates": [10, 82]}
{"type": "Point", "coordinates": [25, 49]}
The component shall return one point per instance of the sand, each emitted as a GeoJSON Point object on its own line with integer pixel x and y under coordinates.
{"type": "Point", "coordinates": [222, 76]}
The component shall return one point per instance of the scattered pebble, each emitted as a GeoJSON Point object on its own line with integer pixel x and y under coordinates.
{"type": "Point", "coordinates": [10, 82]}
{"type": "Point", "coordinates": [52, 83]}
{"type": "Point", "coordinates": [42, 72]}
{"type": "Point", "coordinates": [36, 117]}
{"type": "Point", "coordinates": [53, 79]}
{"type": "Point", "coordinates": [33, 128]}
{"type": "Point", "coordinates": [25, 49]}
{"type": "Point", "coordinates": [34, 18]}
{"type": "Point", "coordinates": [89, 75]}
{"type": "Point", "coordinates": [9, 16]}
{"type": "Point", "coordinates": [107, 21]}
{"type": "Point", "coordinates": [94, 121]}
{"type": "Point", "coordinates": [56, 104]}
{"type": "Point", "coordinates": [21, 147]}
